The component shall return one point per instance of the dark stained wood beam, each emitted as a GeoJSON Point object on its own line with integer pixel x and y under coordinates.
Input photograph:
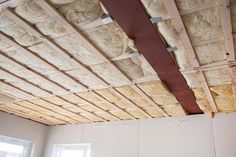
{"type": "Point", "coordinates": [135, 21]}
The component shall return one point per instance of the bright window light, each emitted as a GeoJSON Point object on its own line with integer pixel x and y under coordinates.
{"type": "Point", "coordinates": [12, 147]}
{"type": "Point", "coordinates": [5, 147]}
{"type": "Point", "coordinates": [72, 153]}
{"type": "Point", "coordinates": [71, 150]}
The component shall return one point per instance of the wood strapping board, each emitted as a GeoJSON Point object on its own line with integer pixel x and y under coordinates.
{"type": "Point", "coordinates": [177, 21]}
{"type": "Point", "coordinates": [225, 16]}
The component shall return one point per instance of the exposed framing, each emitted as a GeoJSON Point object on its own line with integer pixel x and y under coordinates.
{"type": "Point", "coordinates": [196, 68]}
{"type": "Point", "coordinates": [225, 16]}
{"type": "Point", "coordinates": [53, 12]}
{"type": "Point", "coordinates": [179, 26]}
{"type": "Point", "coordinates": [148, 47]}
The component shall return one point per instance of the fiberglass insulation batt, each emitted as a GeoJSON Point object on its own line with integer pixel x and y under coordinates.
{"type": "Point", "coordinates": [109, 38]}
{"type": "Point", "coordinates": [202, 26]}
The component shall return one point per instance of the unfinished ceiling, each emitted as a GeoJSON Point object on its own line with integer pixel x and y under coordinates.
{"type": "Point", "coordinates": [64, 62]}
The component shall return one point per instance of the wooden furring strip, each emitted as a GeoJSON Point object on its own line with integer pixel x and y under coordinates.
{"type": "Point", "coordinates": [83, 40]}
{"type": "Point", "coordinates": [225, 16]}
{"type": "Point", "coordinates": [99, 108]}
{"type": "Point", "coordinates": [61, 120]}
{"type": "Point", "coordinates": [149, 99]}
{"type": "Point", "coordinates": [134, 20]}
{"type": "Point", "coordinates": [226, 24]}
{"type": "Point", "coordinates": [23, 115]}
{"type": "Point", "coordinates": [130, 102]}
{"type": "Point", "coordinates": [63, 21]}
{"type": "Point", "coordinates": [76, 115]}
{"type": "Point", "coordinates": [26, 83]}
{"type": "Point", "coordinates": [48, 102]}
{"type": "Point", "coordinates": [51, 43]}
{"type": "Point", "coordinates": [2, 83]}
{"type": "Point", "coordinates": [117, 107]}
{"type": "Point", "coordinates": [43, 78]}
{"type": "Point", "coordinates": [209, 66]}
{"type": "Point", "coordinates": [85, 111]}
{"type": "Point", "coordinates": [32, 84]}
{"type": "Point", "coordinates": [179, 26]}
{"type": "Point", "coordinates": [32, 55]}
{"type": "Point", "coordinates": [24, 80]}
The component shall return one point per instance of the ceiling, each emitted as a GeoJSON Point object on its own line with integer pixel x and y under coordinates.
{"type": "Point", "coordinates": [68, 62]}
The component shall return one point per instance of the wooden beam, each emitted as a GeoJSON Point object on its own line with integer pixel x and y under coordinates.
{"type": "Point", "coordinates": [23, 115]}
{"type": "Point", "coordinates": [225, 16]}
{"type": "Point", "coordinates": [99, 108]}
{"type": "Point", "coordinates": [207, 67]}
{"type": "Point", "coordinates": [57, 48]}
{"type": "Point", "coordinates": [35, 57]}
{"type": "Point", "coordinates": [12, 88]}
{"type": "Point", "coordinates": [52, 11]}
{"type": "Point", "coordinates": [73, 115]}
{"type": "Point", "coordinates": [20, 65]}
{"type": "Point", "coordinates": [226, 24]}
{"type": "Point", "coordinates": [52, 44]}
{"type": "Point", "coordinates": [149, 99]}
{"type": "Point", "coordinates": [21, 90]}
{"type": "Point", "coordinates": [116, 106]}
{"type": "Point", "coordinates": [19, 79]}
{"type": "Point", "coordinates": [37, 92]}
{"type": "Point", "coordinates": [85, 111]}
{"type": "Point", "coordinates": [130, 102]}
{"type": "Point", "coordinates": [64, 22]}
{"type": "Point", "coordinates": [179, 26]}
{"type": "Point", "coordinates": [61, 121]}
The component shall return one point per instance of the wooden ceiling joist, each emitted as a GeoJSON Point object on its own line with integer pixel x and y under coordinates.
{"type": "Point", "coordinates": [99, 108]}
{"type": "Point", "coordinates": [116, 106]}
{"type": "Point", "coordinates": [49, 93]}
{"type": "Point", "coordinates": [52, 11]}
{"type": "Point", "coordinates": [58, 96]}
{"type": "Point", "coordinates": [132, 17]}
{"type": "Point", "coordinates": [130, 102]}
{"type": "Point", "coordinates": [12, 88]}
{"type": "Point", "coordinates": [20, 65]}
{"type": "Point", "coordinates": [225, 16]}
{"type": "Point", "coordinates": [61, 121]}
{"type": "Point", "coordinates": [179, 26]}
{"type": "Point", "coordinates": [27, 83]}
{"type": "Point", "coordinates": [56, 47]}
{"type": "Point", "coordinates": [209, 66]}
{"type": "Point", "coordinates": [83, 110]}
{"type": "Point", "coordinates": [70, 28]}
{"type": "Point", "coordinates": [9, 75]}
{"type": "Point", "coordinates": [35, 57]}
{"type": "Point", "coordinates": [74, 114]}
{"type": "Point", "coordinates": [26, 116]}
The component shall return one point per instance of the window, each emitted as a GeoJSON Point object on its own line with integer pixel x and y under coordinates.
{"type": "Point", "coordinates": [11, 147]}
{"type": "Point", "coordinates": [71, 150]}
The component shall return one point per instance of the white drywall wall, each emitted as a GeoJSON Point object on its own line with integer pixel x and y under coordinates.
{"type": "Point", "coordinates": [189, 136]}
{"type": "Point", "coordinates": [17, 127]}
{"type": "Point", "coordinates": [225, 135]}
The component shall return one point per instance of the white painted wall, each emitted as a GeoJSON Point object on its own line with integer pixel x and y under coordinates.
{"type": "Point", "coordinates": [16, 127]}
{"type": "Point", "coordinates": [192, 136]}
